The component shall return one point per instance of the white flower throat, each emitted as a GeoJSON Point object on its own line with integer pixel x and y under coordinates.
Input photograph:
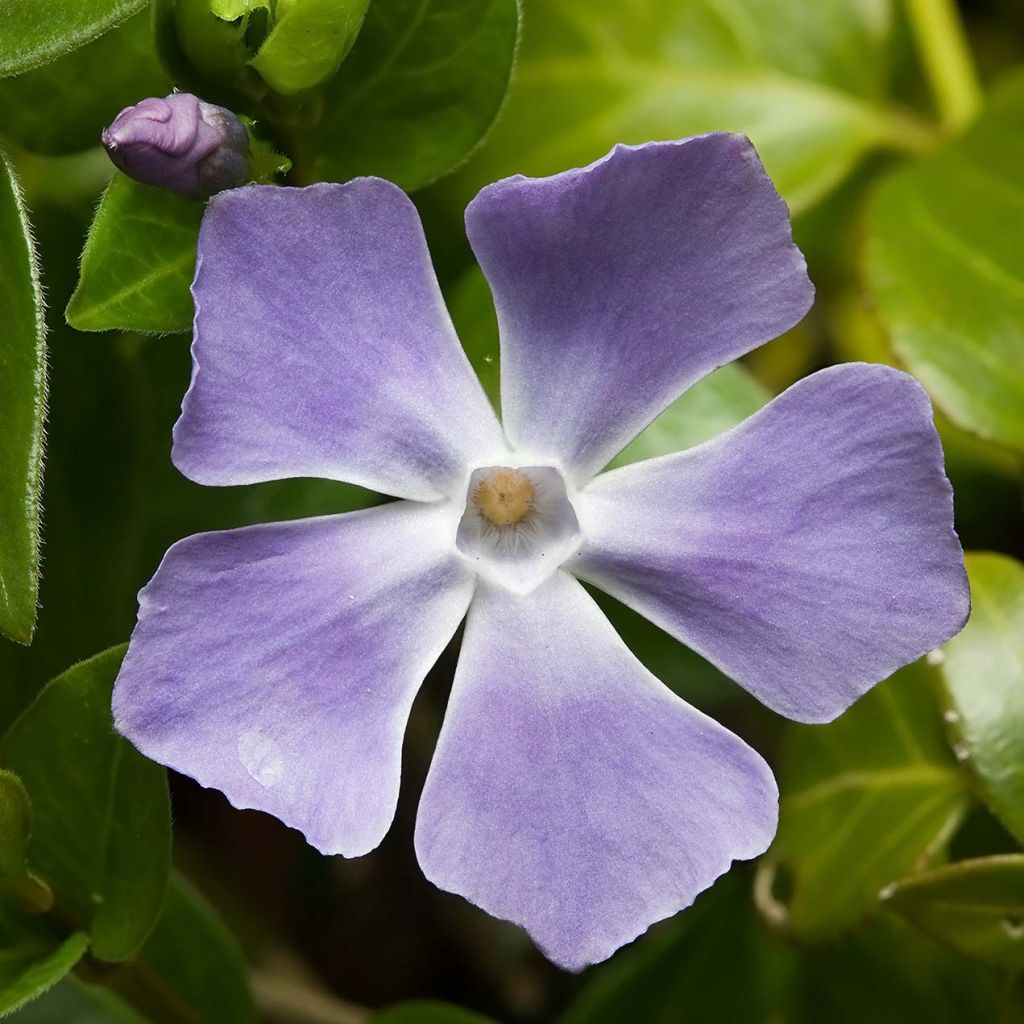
{"type": "Point", "coordinates": [518, 526]}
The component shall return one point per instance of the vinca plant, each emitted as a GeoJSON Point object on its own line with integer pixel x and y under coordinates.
{"type": "Point", "coordinates": [511, 511]}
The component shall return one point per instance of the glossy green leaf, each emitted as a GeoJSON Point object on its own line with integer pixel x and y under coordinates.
{"type": "Point", "coordinates": [975, 906]}
{"type": "Point", "coordinates": [982, 677]}
{"type": "Point", "coordinates": [22, 413]}
{"type": "Point", "coordinates": [427, 1011]}
{"type": "Point", "coordinates": [713, 405]}
{"type": "Point", "coordinates": [712, 962]}
{"type": "Point", "coordinates": [865, 801]}
{"type": "Point", "coordinates": [308, 42]}
{"type": "Point", "coordinates": [946, 264]}
{"type": "Point", "coordinates": [16, 881]}
{"type": "Point", "coordinates": [101, 814]}
{"type": "Point", "coordinates": [138, 262]}
{"type": "Point", "coordinates": [31, 958]}
{"type": "Point", "coordinates": [38, 31]}
{"type": "Point", "coordinates": [420, 88]}
{"type": "Point", "coordinates": [47, 110]}
{"type": "Point", "coordinates": [887, 972]}
{"type": "Point", "coordinates": [807, 82]}
{"type": "Point", "coordinates": [230, 10]}
{"type": "Point", "coordinates": [194, 955]}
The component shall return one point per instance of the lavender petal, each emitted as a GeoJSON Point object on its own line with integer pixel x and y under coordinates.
{"type": "Point", "coordinates": [809, 552]}
{"type": "Point", "coordinates": [619, 285]}
{"type": "Point", "coordinates": [278, 663]}
{"type": "Point", "coordinates": [571, 792]}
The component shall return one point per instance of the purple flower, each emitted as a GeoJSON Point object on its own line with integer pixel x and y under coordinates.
{"type": "Point", "coordinates": [179, 143]}
{"type": "Point", "coordinates": [808, 552]}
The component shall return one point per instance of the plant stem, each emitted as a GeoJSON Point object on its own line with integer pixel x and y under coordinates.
{"type": "Point", "coordinates": [947, 60]}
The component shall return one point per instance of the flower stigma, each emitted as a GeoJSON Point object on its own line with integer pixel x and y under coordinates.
{"type": "Point", "coordinates": [518, 525]}
{"type": "Point", "coordinates": [505, 497]}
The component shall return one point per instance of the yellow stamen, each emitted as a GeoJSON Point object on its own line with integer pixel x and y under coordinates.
{"type": "Point", "coordinates": [505, 497]}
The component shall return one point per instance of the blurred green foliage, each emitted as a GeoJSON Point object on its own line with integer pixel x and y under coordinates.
{"type": "Point", "coordinates": [894, 890]}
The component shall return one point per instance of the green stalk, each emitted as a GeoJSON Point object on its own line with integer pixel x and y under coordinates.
{"type": "Point", "coordinates": [947, 60]}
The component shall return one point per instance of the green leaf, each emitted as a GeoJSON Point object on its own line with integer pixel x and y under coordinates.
{"type": "Point", "coordinates": [887, 972]}
{"type": "Point", "coordinates": [308, 42]}
{"type": "Point", "coordinates": [982, 677]}
{"type": "Point", "coordinates": [32, 895]}
{"type": "Point", "coordinates": [138, 262]}
{"type": "Point", "coordinates": [22, 413]}
{"type": "Point", "coordinates": [101, 832]}
{"type": "Point", "coordinates": [31, 959]}
{"type": "Point", "coordinates": [427, 1011]}
{"type": "Point", "coordinates": [420, 88]}
{"type": "Point", "coordinates": [712, 962]}
{"type": "Point", "coordinates": [194, 955]}
{"type": "Point", "coordinates": [37, 32]}
{"type": "Point", "coordinates": [974, 906]}
{"type": "Point", "coordinates": [865, 800]}
{"type": "Point", "coordinates": [807, 82]}
{"type": "Point", "coordinates": [231, 10]}
{"type": "Point", "coordinates": [189, 970]}
{"type": "Point", "coordinates": [47, 110]}
{"type": "Point", "coordinates": [76, 1002]}
{"type": "Point", "coordinates": [719, 402]}
{"type": "Point", "coordinates": [946, 264]}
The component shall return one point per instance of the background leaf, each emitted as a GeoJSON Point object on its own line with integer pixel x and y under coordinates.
{"type": "Point", "coordinates": [807, 82]}
{"type": "Point", "coordinates": [47, 110]}
{"type": "Point", "coordinates": [418, 91]}
{"type": "Point", "coordinates": [982, 677]}
{"type": "Point", "coordinates": [31, 959]}
{"type": "Point", "coordinates": [974, 906]}
{"type": "Point", "coordinates": [76, 1002]}
{"type": "Point", "coordinates": [865, 801]}
{"type": "Point", "coordinates": [713, 405]}
{"type": "Point", "coordinates": [16, 880]}
{"type": "Point", "coordinates": [22, 412]}
{"type": "Point", "coordinates": [946, 263]}
{"type": "Point", "coordinates": [138, 262]}
{"type": "Point", "coordinates": [35, 32]}
{"type": "Point", "coordinates": [197, 958]}
{"type": "Point", "coordinates": [427, 1012]}
{"type": "Point", "coordinates": [101, 817]}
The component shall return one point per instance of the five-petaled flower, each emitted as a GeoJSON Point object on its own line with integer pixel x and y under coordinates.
{"type": "Point", "coordinates": [808, 553]}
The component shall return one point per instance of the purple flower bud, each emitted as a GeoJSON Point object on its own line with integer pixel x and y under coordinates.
{"type": "Point", "coordinates": [179, 143]}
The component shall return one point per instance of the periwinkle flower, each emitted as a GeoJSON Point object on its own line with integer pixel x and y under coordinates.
{"type": "Point", "coordinates": [808, 553]}
{"type": "Point", "coordinates": [179, 143]}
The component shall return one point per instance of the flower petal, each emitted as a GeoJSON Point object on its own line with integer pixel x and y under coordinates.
{"type": "Point", "coordinates": [571, 792]}
{"type": "Point", "coordinates": [808, 552]}
{"type": "Point", "coordinates": [619, 285]}
{"type": "Point", "coordinates": [278, 663]}
{"type": "Point", "coordinates": [323, 347]}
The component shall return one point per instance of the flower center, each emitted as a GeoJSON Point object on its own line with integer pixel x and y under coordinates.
{"type": "Point", "coordinates": [518, 525]}
{"type": "Point", "coordinates": [504, 497]}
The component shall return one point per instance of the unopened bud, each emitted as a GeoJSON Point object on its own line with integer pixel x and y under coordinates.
{"type": "Point", "coordinates": [180, 143]}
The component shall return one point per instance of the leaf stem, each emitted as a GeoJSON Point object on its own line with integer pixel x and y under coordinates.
{"type": "Point", "coordinates": [947, 59]}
